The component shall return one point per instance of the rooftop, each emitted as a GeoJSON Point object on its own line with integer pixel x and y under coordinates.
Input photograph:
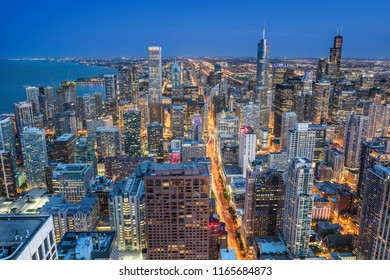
{"type": "Point", "coordinates": [228, 254]}
{"type": "Point", "coordinates": [16, 231]}
{"type": "Point", "coordinates": [73, 168]}
{"type": "Point", "coordinates": [65, 137]}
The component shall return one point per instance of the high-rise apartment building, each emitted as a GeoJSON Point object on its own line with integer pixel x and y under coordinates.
{"type": "Point", "coordinates": [284, 102]}
{"type": "Point", "coordinates": [24, 115]}
{"type": "Point", "coordinates": [355, 132]}
{"type": "Point", "coordinates": [7, 175]}
{"type": "Point", "coordinates": [247, 150]}
{"type": "Point", "coordinates": [107, 141]}
{"type": "Point", "coordinates": [177, 125]}
{"type": "Point", "coordinates": [66, 97]}
{"type": "Point", "coordinates": [301, 142]}
{"type": "Point", "coordinates": [322, 93]}
{"type": "Point", "coordinates": [7, 138]}
{"type": "Point", "coordinates": [177, 211]}
{"type": "Point", "coordinates": [289, 121]}
{"type": "Point", "coordinates": [379, 117]}
{"type": "Point", "coordinates": [374, 229]}
{"type": "Point", "coordinates": [110, 87]}
{"type": "Point", "coordinates": [155, 138]}
{"type": "Point", "coordinates": [34, 156]}
{"type": "Point", "coordinates": [298, 207]}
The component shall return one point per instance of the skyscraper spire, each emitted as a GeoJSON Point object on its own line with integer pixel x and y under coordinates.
{"type": "Point", "coordinates": [264, 30]}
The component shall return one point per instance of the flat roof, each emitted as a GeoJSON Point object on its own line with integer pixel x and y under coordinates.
{"type": "Point", "coordinates": [228, 254]}
{"type": "Point", "coordinates": [17, 230]}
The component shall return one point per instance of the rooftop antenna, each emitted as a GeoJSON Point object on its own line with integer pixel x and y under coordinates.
{"type": "Point", "coordinates": [264, 30]}
{"type": "Point", "coordinates": [341, 30]}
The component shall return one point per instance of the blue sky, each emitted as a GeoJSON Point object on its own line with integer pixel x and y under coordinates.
{"type": "Point", "coordinates": [192, 28]}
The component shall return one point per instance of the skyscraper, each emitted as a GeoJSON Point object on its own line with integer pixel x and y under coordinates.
{"type": "Point", "coordinates": [298, 207]}
{"type": "Point", "coordinates": [355, 132]}
{"type": "Point", "coordinates": [176, 81]}
{"type": "Point", "coordinates": [301, 142]}
{"type": "Point", "coordinates": [24, 115]}
{"type": "Point", "coordinates": [127, 211]}
{"type": "Point", "coordinates": [34, 155]}
{"type": "Point", "coordinates": [322, 93]}
{"type": "Point", "coordinates": [247, 151]}
{"type": "Point", "coordinates": [7, 138]}
{"type": "Point", "coordinates": [32, 94]}
{"type": "Point", "coordinates": [289, 121]}
{"type": "Point", "coordinates": [379, 117]}
{"type": "Point", "coordinates": [107, 141]}
{"type": "Point", "coordinates": [177, 120]}
{"type": "Point", "coordinates": [334, 63]}
{"type": "Point", "coordinates": [110, 86]}
{"type": "Point", "coordinates": [66, 96]}
{"type": "Point", "coordinates": [177, 225]}
{"type": "Point", "coordinates": [284, 102]}
{"type": "Point", "coordinates": [262, 62]}
{"type": "Point", "coordinates": [7, 175]}
{"type": "Point", "coordinates": [64, 147]}
{"type": "Point", "coordinates": [250, 115]}
{"type": "Point", "coordinates": [374, 230]}
{"type": "Point", "coordinates": [132, 132]}
{"type": "Point", "coordinates": [155, 74]}
{"type": "Point", "coordinates": [155, 138]}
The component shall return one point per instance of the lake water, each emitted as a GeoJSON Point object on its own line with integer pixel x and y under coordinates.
{"type": "Point", "coordinates": [16, 74]}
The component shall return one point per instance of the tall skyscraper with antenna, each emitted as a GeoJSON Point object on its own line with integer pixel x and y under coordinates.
{"type": "Point", "coordinates": [263, 95]}
{"type": "Point", "coordinates": [333, 66]}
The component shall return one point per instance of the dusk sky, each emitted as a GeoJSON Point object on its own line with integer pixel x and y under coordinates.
{"type": "Point", "coordinates": [192, 28]}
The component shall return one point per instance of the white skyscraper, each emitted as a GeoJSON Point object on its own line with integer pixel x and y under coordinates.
{"type": "Point", "coordinates": [301, 142]}
{"type": "Point", "coordinates": [155, 74]}
{"type": "Point", "coordinates": [298, 207]}
{"type": "Point", "coordinates": [247, 149]}
{"type": "Point", "coordinates": [379, 117]}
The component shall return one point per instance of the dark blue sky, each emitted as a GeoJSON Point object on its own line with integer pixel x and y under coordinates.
{"type": "Point", "coordinates": [192, 28]}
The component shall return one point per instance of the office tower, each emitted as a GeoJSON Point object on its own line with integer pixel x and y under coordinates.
{"type": "Point", "coordinates": [321, 69]}
{"type": "Point", "coordinates": [227, 125]}
{"type": "Point", "coordinates": [74, 217]}
{"type": "Point", "coordinates": [322, 93]}
{"type": "Point", "coordinates": [263, 138]}
{"type": "Point", "coordinates": [379, 117]}
{"type": "Point", "coordinates": [247, 152]}
{"type": "Point", "coordinates": [156, 112]}
{"type": "Point", "coordinates": [177, 121]}
{"type": "Point", "coordinates": [289, 121]}
{"type": "Point", "coordinates": [155, 138]}
{"type": "Point", "coordinates": [324, 134]}
{"type": "Point", "coordinates": [66, 97]}
{"type": "Point", "coordinates": [298, 207]}
{"type": "Point", "coordinates": [34, 156]}
{"type": "Point", "coordinates": [277, 161]}
{"type": "Point", "coordinates": [218, 73]}
{"type": "Point", "coordinates": [84, 152]}
{"type": "Point", "coordinates": [268, 193]}
{"type": "Point", "coordinates": [32, 94]}
{"type": "Point", "coordinates": [355, 132]}
{"type": "Point", "coordinates": [110, 87]}
{"type": "Point", "coordinates": [122, 166]}
{"type": "Point", "coordinates": [65, 122]}
{"type": "Point", "coordinates": [127, 211]}
{"type": "Point", "coordinates": [7, 138]}
{"type": "Point", "coordinates": [24, 115]}
{"type": "Point", "coordinates": [301, 142]}
{"type": "Point", "coordinates": [27, 237]}
{"type": "Point", "coordinates": [73, 180]}
{"type": "Point", "coordinates": [197, 128]}
{"type": "Point", "coordinates": [191, 149]}
{"type": "Point", "coordinates": [131, 132]}
{"type": "Point", "coordinates": [177, 226]}
{"type": "Point", "coordinates": [107, 141]}
{"type": "Point", "coordinates": [92, 106]}
{"type": "Point", "coordinates": [250, 115]}
{"type": "Point", "coordinates": [343, 103]}
{"type": "Point", "coordinates": [280, 73]}
{"type": "Point", "coordinates": [284, 102]}
{"type": "Point", "coordinates": [372, 241]}
{"type": "Point", "coordinates": [333, 65]}
{"type": "Point", "coordinates": [155, 75]}
{"type": "Point", "coordinates": [103, 188]}
{"type": "Point", "coordinates": [111, 109]}
{"type": "Point", "coordinates": [7, 175]}
{"type": "Point", "coordinates": [262, 62]}
{"type": "Point", "coordinates": [176, 81]}
{"type": "Point", "coordinates": [64, 147]}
